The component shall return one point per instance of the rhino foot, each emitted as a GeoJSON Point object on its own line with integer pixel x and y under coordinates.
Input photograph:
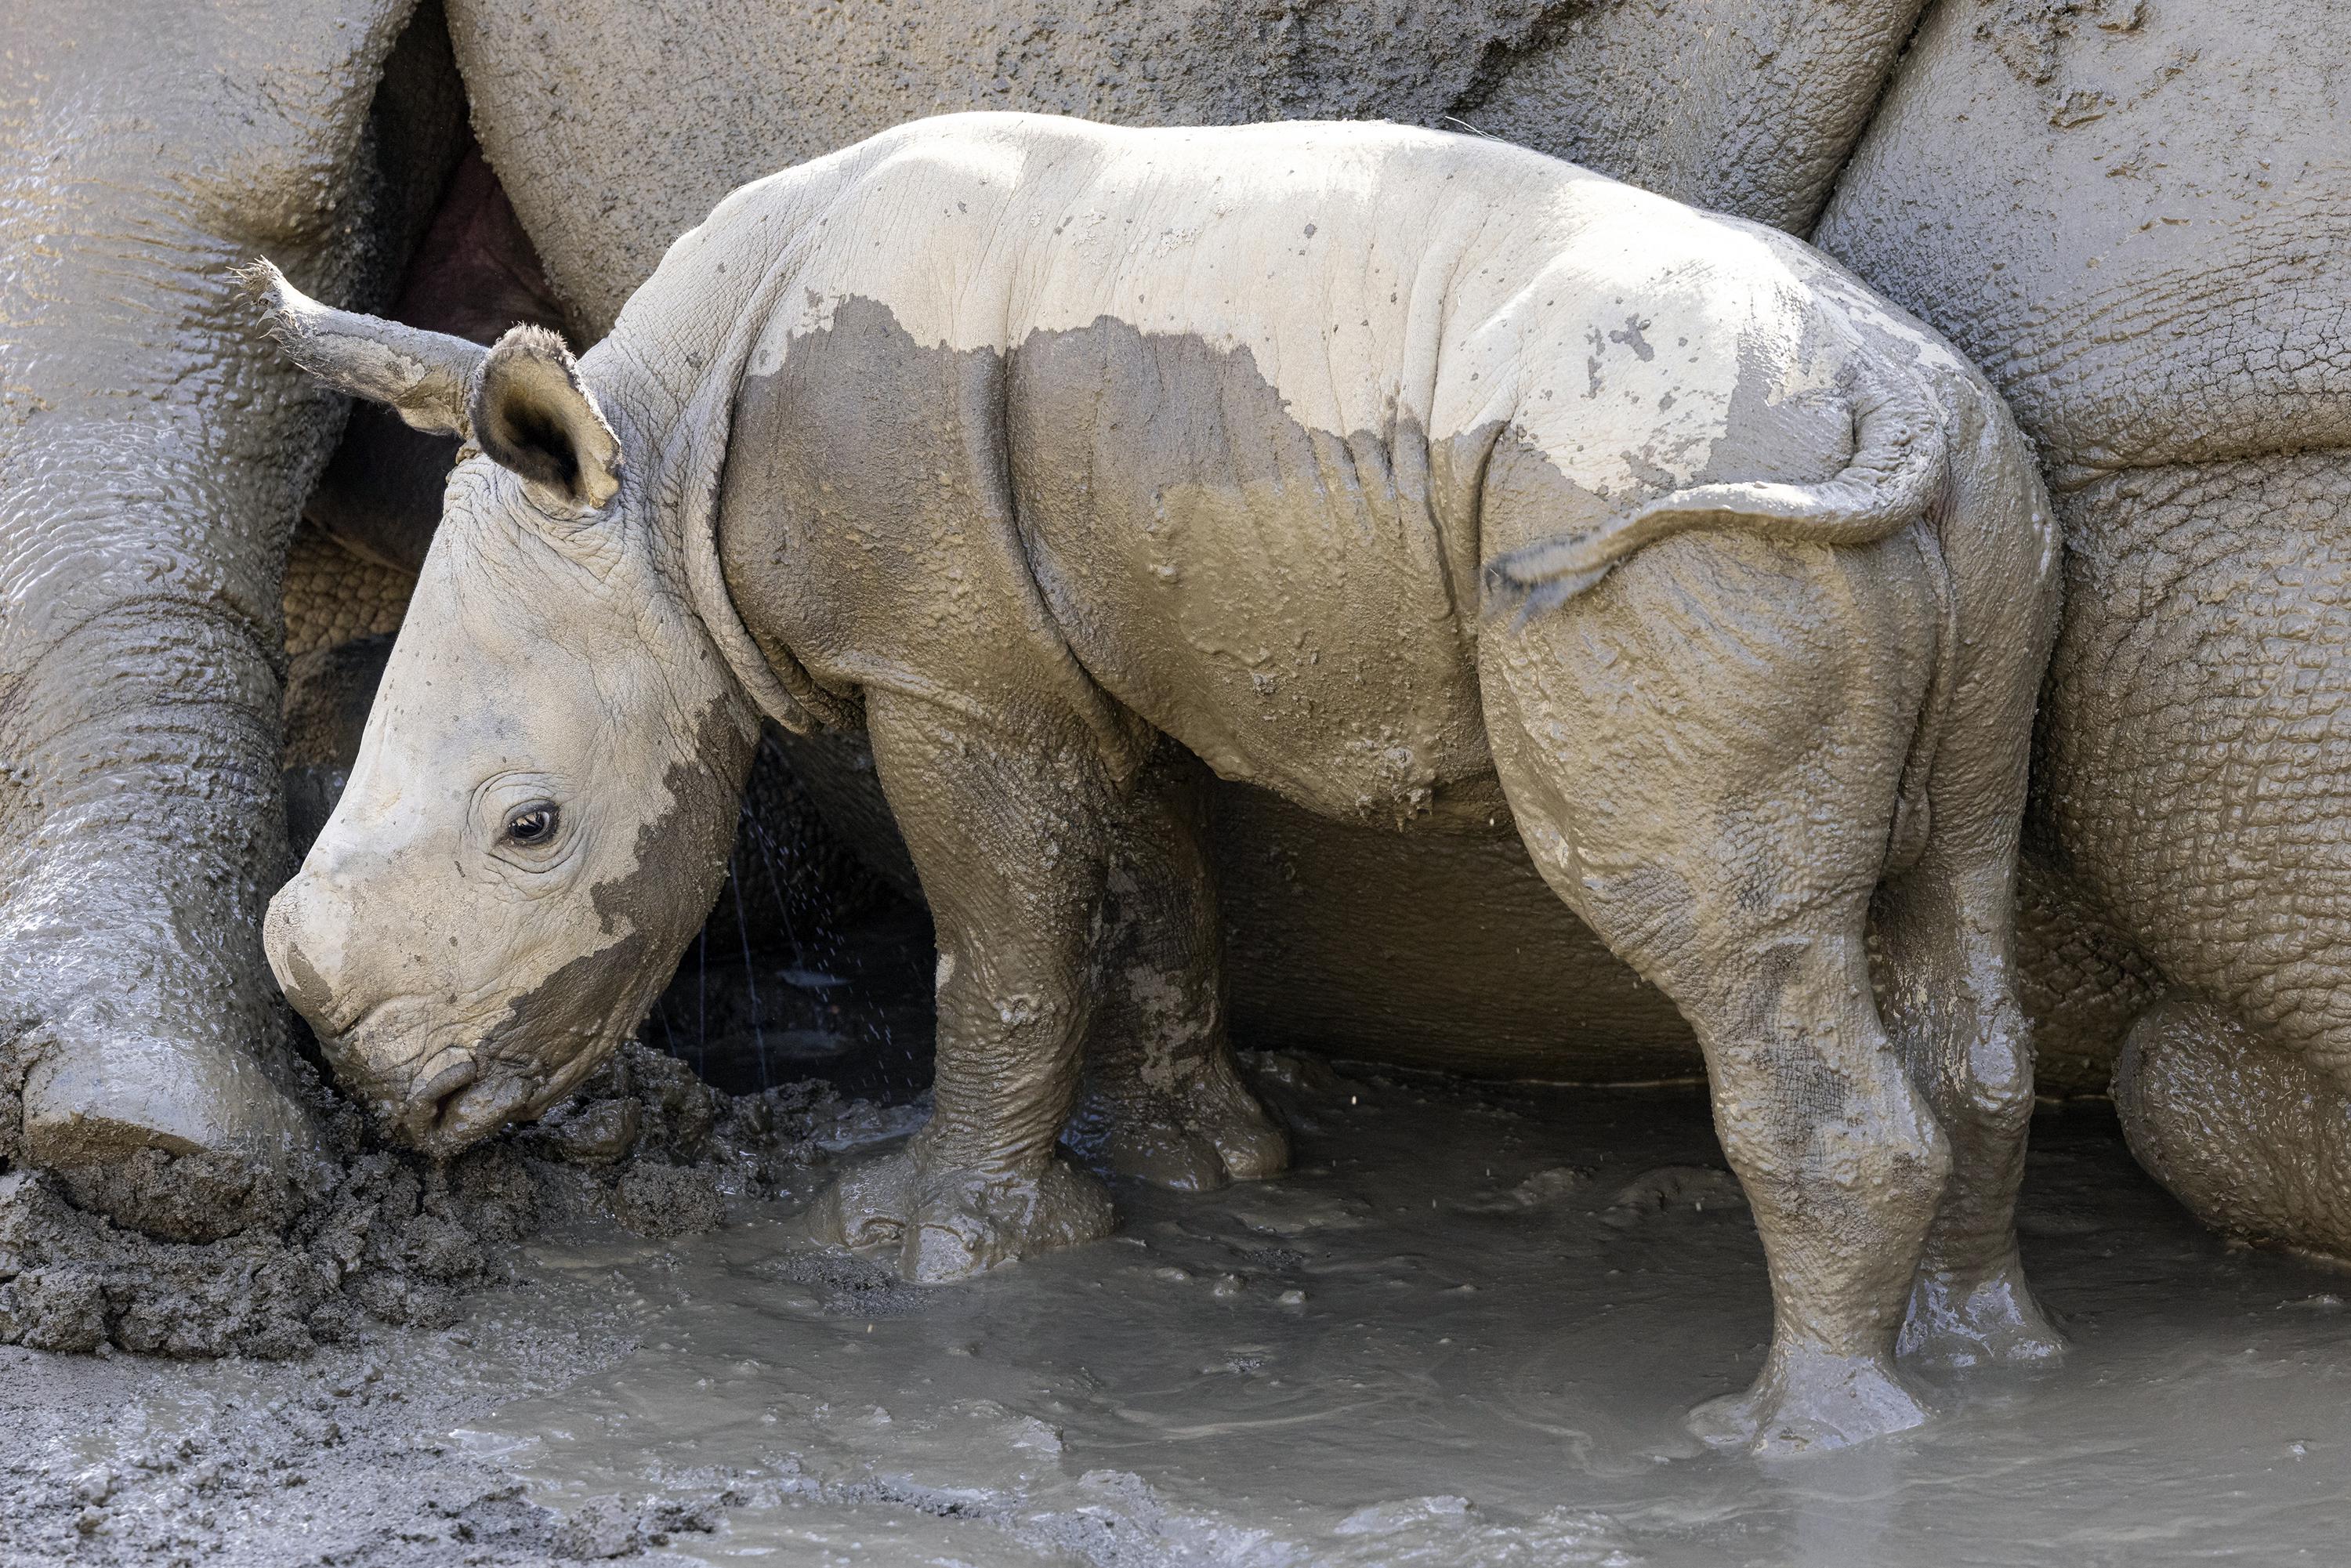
{"type": "Point", "coordinates": [949, 1223]}
{"type": "Point", "coordinates": [2254, 1137]}
{"type": "Point", "coordinates": [183, 1139]}
{"type": "Point", "coordinates": [1810, 1400]}
{"type": "Point", "coordinates": [1992, 1321]}
{"type": "Point", "coordinates": [1217, 1135]}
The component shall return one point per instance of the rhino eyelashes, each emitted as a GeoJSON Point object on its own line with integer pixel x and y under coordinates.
{"type": "Point", "coordinates": [533, 824]}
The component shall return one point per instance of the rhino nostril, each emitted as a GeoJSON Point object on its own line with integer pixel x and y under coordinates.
{"type": "Point", "coordinates": [456, 1105]}
{"type": "Point", "coordinates": [449, 1074]}
{"type": "Point", "coordinates": [434, 1089]}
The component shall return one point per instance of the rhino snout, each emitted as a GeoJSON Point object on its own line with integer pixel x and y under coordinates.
{"type": "Point", "coordinates": [441, 1106]}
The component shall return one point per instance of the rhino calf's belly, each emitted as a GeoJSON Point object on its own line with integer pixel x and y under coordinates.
{"type": "Point", "coordinates": [1427, 949]}
{"type": "Point", "coordinates": [1437, 947]}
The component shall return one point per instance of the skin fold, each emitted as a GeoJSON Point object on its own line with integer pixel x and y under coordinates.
{"type": "Point", "coordinates": [1437, 951]}
{"type": "Point", "coordinates": [983, 437]}
{"type": "Point", "coordinates": [355, 164]}
{"type": "Point", "coordinates": [2187, 158]}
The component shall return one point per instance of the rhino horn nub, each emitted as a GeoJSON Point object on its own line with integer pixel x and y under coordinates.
{"type": "Point", "coordinates": [532, 414]}
{"type": "Point", "coordinates": [427, 377]}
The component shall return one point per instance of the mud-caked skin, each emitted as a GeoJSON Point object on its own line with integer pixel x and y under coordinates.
{"type": "Point", "coordinates": [1747, 106]}
{"type": "Point", "coordinates": [2140, 227]}
{"type": "Point", "coordinates": [621, 128]}
{"type": "Point", "coordinates": [2131, 213]}
{"type": "Point", "coordinates": [533, 863]}
{"type": "Point", "coordinates": [154, 453]}
{"type": "Point", "coordinates": [1416, 479]}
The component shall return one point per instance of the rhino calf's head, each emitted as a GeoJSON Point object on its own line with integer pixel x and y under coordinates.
{"type": "Point", "coordinates": [544, 798]}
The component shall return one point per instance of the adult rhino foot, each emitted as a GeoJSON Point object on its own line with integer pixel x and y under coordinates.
{"type": "Point", "coordinates": [1216, 1134]}
{"type": "Point", "coordinates": [2252, 1136]}
{"type": "Point", "coordinates": [187, 1140]}
{"type": "Point", "coordinates": [1810, 1400]}
{"type": "Point", "coordinates": [1978, 1320]}
{"type": "Point", "coordinates": [948, 1222]}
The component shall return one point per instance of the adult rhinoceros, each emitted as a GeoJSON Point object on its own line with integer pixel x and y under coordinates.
{"type": "Point", "coordinates": [1056, 456]}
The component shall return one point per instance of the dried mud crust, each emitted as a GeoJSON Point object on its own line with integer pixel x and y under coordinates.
{"type": "Point", "coordinates": [392, 1237]}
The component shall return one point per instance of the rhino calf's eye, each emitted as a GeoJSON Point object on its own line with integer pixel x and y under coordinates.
{"type": "Point", "coordinates": [531, 824]}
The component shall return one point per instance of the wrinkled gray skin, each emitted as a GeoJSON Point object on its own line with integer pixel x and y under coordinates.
{"type": "Point", "coordinates": [1006, 440]}
{"type": "Point", "coordinates": [2141, 229]}
{"type": "Point", "coordinates": [153, 456]}
{"type": "Point", "coordinates": [2014, 126]}
{"type": "Point", "coordinates": [620, 126]}
{"type": "Point", "coordinates": [152, 1007]}
{"type": "Point", "coordinates": [1749, 106]}
{"type": "Point", "coordinates": [1439, 954]}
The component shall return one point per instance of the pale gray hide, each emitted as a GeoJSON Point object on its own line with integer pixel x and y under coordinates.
{"type": "Point", "coordinates": [1057, 456]}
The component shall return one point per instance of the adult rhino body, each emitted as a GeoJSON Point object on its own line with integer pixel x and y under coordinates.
{"type": "Point", "coordinates": [1420, 479]}
{"type": "Point", "coordinates": [2141, 229]}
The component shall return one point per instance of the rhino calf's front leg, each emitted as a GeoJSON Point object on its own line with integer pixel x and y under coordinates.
{"type": "Point", "coordinates": [1005, 833]}
{"type": "Point", "coordinates": [1163, 1100]}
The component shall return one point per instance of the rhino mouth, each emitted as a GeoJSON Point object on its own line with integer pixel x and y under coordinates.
{"type": "Point", "coordinates": [439, 1078]}
{"type": "Point", "coordinates": [443, 1121]}
{"type": "Point", "coordinates": [438, 1100]}
{"type": "Point", "coordinates": [452, 1102]}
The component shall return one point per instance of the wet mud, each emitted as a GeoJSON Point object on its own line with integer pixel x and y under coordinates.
{"type": "Point", "coordinates": [390, 1236]}
{"type": "Point", "coordinates": [1463, 1332]}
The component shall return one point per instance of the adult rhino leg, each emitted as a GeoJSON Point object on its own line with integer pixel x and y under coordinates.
{"type": "Point", "coordinates": [154, 451]}
{"type": "Point", "coordinates": [1663, 740]}
{"type": "Point", "coordinates": [157, 1084]}
{"type": "Point", "coordinates": [2255, 1139]}
{"type": "Point", "coordinates": [342, 611]}
{"type": "Point", "coordinates": [2195, 762]}
{"type": "Point", "coordinates": [1006, 833]}
{"type": "Point", "coordinates": [1163, 1100]}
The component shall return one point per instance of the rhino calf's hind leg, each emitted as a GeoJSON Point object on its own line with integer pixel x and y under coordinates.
{"type": "Point", "coordinates": [1162, 1099]}
{"type": "Point", "coordinates": [1703, 754]}
{"type": "Point", "coordinates": [1944, 929]}
{"type": "Point", "coordinates": [1006, 833]}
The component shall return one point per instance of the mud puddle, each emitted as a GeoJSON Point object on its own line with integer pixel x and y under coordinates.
{"type": "Point", "coordinates": [1462, 1333]}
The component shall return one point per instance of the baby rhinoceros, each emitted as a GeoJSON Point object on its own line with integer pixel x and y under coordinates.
{"type": "Point", "coordinates": [1421, 478]}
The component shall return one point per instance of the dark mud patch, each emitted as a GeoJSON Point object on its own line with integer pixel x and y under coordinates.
{"type": "Point", "coordinates": [343, 1457]}
{"type": "Point", "coordinates": [392, 1237]}
{"type": "Point", "coordinates": [849, 1286]}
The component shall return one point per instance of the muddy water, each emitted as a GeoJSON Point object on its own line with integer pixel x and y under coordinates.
{"type": "Point", "coordinates": [1462, 1332]}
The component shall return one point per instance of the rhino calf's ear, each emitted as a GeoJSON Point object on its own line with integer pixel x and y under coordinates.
{"type": "Point", "coordinates": [532, 414]}
{"type": "Point", "coordinates": [423, 377]}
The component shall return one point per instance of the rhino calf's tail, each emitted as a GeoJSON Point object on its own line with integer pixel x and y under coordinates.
{"type": "Point", "coordinates": [1897, 471]}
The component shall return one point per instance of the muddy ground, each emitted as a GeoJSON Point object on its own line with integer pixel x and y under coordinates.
{"type": "Point", "coordinates": [1462, 1332]}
